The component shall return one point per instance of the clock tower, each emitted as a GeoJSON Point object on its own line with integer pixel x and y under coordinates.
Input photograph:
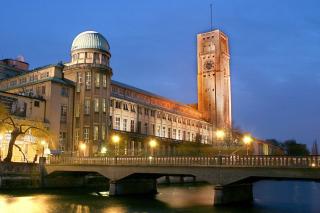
{"type": "Point", "coordinates": [214, 92]}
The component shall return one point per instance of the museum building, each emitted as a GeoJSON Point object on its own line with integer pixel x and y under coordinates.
{"type": "Point", "coordinates": [81, 104]}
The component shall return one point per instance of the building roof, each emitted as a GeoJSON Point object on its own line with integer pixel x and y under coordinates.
{"type": "Point", "coordinates": [90, 40]}
{"type": "Point", "coordinates": [25, 96]}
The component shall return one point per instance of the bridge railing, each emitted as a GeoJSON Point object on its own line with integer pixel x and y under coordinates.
{"type": "Point", "coordinates": [222, 161]}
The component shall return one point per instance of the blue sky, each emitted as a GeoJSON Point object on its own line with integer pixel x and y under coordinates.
{"type": "Point", "coordinates": [274, 51]}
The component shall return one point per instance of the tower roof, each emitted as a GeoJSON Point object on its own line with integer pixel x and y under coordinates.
{"type": "Point", "coordinates": [90, 40]}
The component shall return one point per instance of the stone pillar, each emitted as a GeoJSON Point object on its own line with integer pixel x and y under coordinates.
{"type": "Point", "coordinates": [232, 194]}
{"type": "Point", "coordinates": [181, 179]}
{"type": "Point", "coordinates": [133, 187]}
{"type": "Point", "coordinates": [167, 179]}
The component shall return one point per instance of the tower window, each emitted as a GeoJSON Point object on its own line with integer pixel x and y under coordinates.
{"type": "Point", "coordinates": [104, 80]}
{"type": "Point", "coordinates": [97, 80]}
{"type": "Point", "coordinates": [88, 80]}
{"type": "Point", "coordinates": [96, 105]}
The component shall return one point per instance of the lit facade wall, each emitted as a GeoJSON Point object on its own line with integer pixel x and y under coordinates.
{"type": "Point", "coordinates": [214, 86]}
{"type": "Point", "coordinates": [47, 83]}
{"type": "Point", "coordinates": [22, 108]}
{"type": "Point", "coordinates": [134, 111]}
{"type": "Point", "coordinates": [90, 71]}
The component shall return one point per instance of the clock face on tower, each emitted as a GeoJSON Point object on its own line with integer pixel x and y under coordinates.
{"type": "Point", "coordinates": [208, 65]}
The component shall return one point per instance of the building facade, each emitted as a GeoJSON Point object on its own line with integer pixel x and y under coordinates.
{"type": "Point", "coordinates": [83, 104]}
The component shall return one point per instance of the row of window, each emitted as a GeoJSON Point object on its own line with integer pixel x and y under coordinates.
{"type": "Point", "coordinates": [150, 112]}
{"type": "Point", "coordinates": [98, 104]}
{"type": "Point", "coordinates": [97, 131]}
{"type": "Point", "coordinates": [164, 132]}
{"type": "Point", "coordinates": [30, 78]}
{"type": "Point", "coordinates": [90, 55]}
{"type": "Point", "coordinates": [98, 79]}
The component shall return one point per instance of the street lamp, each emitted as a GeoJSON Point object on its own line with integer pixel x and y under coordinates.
{"type": "Point", "coordinates": [103, 150]}
{"type": "Point", "coordinates": [220, 134]}
{"type": "Point", "coordinates": [83, 147]}
{"type": "Point", "coordinates": [115, 140]}
{"type": "Point", "coordinates": [152, 143]}
{"type": "Point", "coordinates": [247, 140]}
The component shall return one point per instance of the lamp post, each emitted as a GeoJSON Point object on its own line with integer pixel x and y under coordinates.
{"type": "Point", "coordinates": [116, 140]}
{"type": "Point", "coordinates": [103, 150]}
{"type": "Point", "coordinates": [83, 147]}
{"type": "Point", "coordinates": [247, 140]}
{"type": "Point", "coordinates": [152, 143]}
{"type": "Point", "coordinates": [220, 135]}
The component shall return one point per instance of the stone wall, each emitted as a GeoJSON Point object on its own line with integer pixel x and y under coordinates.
{"type": "Point", "coordinates": [19, 175]}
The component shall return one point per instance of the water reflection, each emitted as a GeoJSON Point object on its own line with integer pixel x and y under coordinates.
{"type": "Point", "coordinates": [269, 197]}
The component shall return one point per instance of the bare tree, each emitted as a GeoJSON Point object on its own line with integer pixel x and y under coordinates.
{"type": "Point", "coordinates": [18, 127]}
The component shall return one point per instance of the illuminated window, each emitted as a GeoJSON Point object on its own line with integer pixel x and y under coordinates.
{"type": "Point", "coordinates": [174, 134]}
{"type": "Point", "coordinates": [96, 105]}
{"type": "Point", "coordinates": [87, 106]}
{"type": "Point", "coordinates": [95, 133]}
{"type": "Point", "coordinates": [158, 131]}
{"type": "Point", "coordinates": [132, 126]}
{"type": "Point", "coordinates": [117, 124]}
{"type": "Point", "coordinates": [97, 80]}
{"type": "Point", "coordinates": [88, 80]}
{"type": "Point", "coordinates": [104, 80]}
{"type": "Point", "coordinates": [124, 124]}
{"type": "Point", "coordinates": [163, 131]}
{"type": "Point", "coordinates": [104, 105]}
{"type": "Point", "coordinates": [86, 134]}
{"type": "Point", "coordinates": [63, 113]}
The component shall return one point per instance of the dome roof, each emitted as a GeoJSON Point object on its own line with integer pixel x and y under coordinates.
{"type": "Point", "coordinates": [90, 40]}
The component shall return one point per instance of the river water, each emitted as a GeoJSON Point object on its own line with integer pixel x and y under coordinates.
{"type": "Point", "coordinates": [269, 196]}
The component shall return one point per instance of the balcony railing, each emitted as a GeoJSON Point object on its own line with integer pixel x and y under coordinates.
{"type": "Point", "coordinates": [215, 161]}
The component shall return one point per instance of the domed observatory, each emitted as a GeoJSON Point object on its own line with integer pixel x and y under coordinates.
{"type": "Point", "coordinates": [90, 47]}
{"type": "Point", "coordinates": [90, 71]}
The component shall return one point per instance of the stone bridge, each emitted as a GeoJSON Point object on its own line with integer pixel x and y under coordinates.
{"type": "Point", "coordinates": [232, 176]}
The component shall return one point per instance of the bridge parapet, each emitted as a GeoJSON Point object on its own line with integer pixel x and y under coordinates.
{"type": "Point", "coordinates": [214, 161]}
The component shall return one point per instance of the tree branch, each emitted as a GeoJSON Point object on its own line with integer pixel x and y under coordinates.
{"type": "Point", "coordinates": [24, 156]}
{"type": "Point", "coordinates": [12, 122]}
{"type": "Point", "coordinates": [31, 127]}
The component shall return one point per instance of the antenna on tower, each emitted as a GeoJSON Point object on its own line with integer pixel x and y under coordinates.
{"type": "Point", "coordinates": [211, 26]}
